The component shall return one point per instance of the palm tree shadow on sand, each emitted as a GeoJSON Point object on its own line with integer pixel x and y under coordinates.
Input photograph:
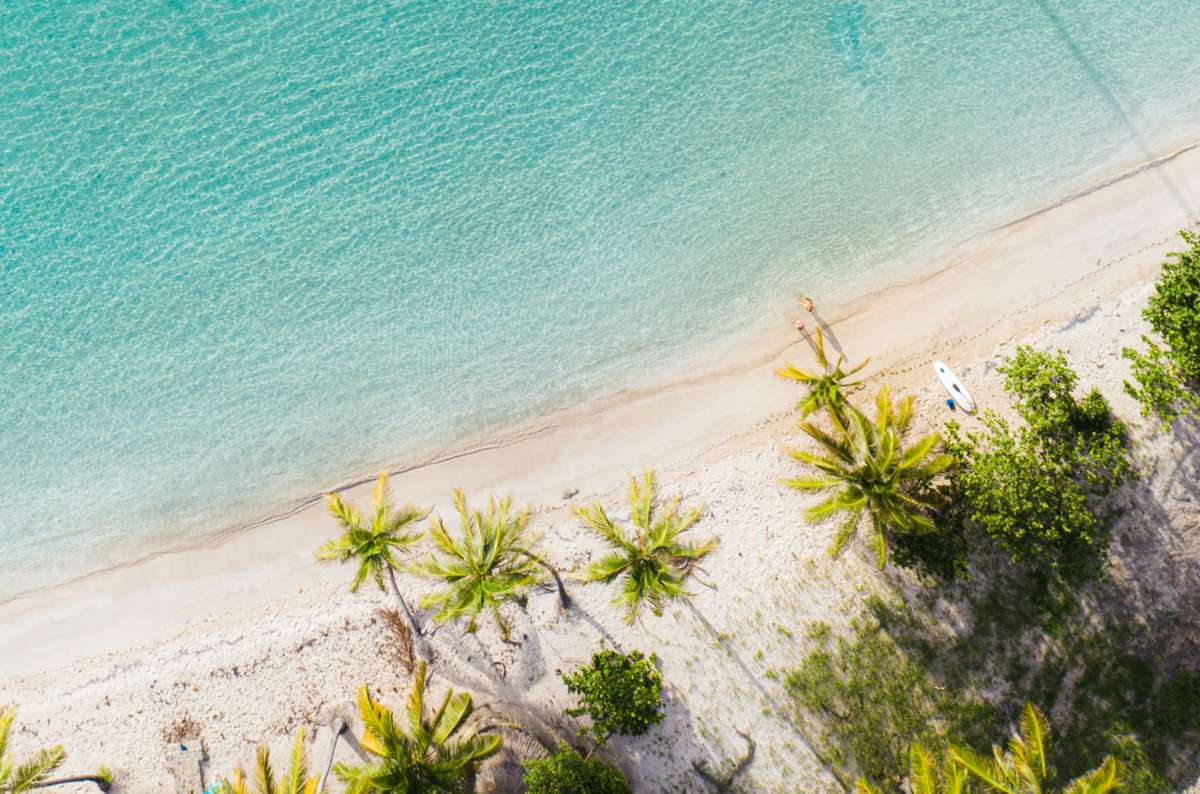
{"type": "Point", "coordinates": [828, 333]}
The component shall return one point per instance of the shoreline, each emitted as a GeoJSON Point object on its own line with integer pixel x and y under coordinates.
{"type": "Point", "coordinates": [605, 437]}
{"type": "Point", "coordinates": [741, 352]}
{"type": "Point", "coordinates": [247, 639]}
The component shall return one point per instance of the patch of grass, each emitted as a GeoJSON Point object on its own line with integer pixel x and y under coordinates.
{"type": "Point", "coordinates": [1108, 689]}
{"type": "Point", "coordinates": [866, 702]}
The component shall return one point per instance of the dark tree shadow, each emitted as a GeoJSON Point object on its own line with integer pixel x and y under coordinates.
{"type": "Point", "coordinates": [1122, 649]}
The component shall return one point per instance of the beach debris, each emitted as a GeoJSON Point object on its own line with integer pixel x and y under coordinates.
{"type": "Point", "coordinates": [570, 493]}
{"type": "Point", "coordinates": [398, 647]}
{"type": "Point", "coordinates": [185, 760]}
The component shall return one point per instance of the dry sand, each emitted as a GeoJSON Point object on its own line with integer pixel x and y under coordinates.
{"type": "Point", "coordinates": [248, 639]}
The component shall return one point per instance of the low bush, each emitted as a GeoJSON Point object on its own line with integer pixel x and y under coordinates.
{"type": "Point", "coordinates": [1168, 376]}
{"type": "Point", "coordinates": [567, 772]}
{"type": "Point", "coordinates": [621, 693]}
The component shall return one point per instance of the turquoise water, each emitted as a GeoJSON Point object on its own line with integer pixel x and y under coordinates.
{"type": "Point", "coordinates": [250, 250]}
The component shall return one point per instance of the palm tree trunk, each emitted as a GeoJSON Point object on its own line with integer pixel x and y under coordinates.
{"type": "Point", "coordinates": [101, 783]}
{"type": "Point", "coordinates": [412, 620]}
{"type": "Point", "coordinates": [419, 644]}
{"type": "Point", "coordinates": [563, 599]}
{"type": "Point", "coordinates": [340, 731]}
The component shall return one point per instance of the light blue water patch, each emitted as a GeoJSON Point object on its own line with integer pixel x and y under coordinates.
{"type": "Point", "coordinates": [248, 250]}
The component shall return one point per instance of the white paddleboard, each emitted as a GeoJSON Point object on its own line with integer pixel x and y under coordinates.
{"type": "Point", "coordinates": [955, 386]}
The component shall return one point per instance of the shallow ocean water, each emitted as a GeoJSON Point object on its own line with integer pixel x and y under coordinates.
{"type": "Point", "coordinates": [250, 250]}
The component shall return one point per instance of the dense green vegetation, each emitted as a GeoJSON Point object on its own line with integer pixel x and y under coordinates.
{"type": "Point", "coordinates": [1168, 376]}
{"type": "Point", "coordinates": [650, 559]}
{"type": "Point", "coordinates": [621, 693]}
{"type": "Point", "coordinates": [567, 772]}
{"type": "Point", "coordinates": [1037, 491]}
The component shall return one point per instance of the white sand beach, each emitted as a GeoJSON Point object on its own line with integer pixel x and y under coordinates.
{"type": "Point", "coordinates": [247, 638]}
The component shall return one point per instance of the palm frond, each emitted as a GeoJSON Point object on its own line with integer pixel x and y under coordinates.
{"type": "Point", "coordinates": [918, 451]}
{"type": "Point", "coordinates": [454, 710]}
{"type": "Point", "coordinates": [641, 498]}
{"type": "Point", "coordinates": [812, 483]}
{"type": "Point", "coordinates": [297, 775]}
{"type": "Point", "coordinates": [598, 521]}
{"type": "Point", "coordinates": [844, 533]}
{"type": "Point", "coordinates": [922, 776]}
{"type": "Point", "coordinates": [264, 775]}
{"type": "Point", "coordinates": [607, 568]}
{"type": "Point", "coordinates": [988, 770]}
{"type": "Point", "coordinates": [7, 715]}
{"type": "Point", "coordinates": [1035, 739]}
{"type": "Point", "coordinates": [836, 445]}
{"type": "Point", "coordinates": [879, 544]}
{"type": "Point", "coordinates": [1103, 779]}
{"type": "Point", "coordinates": [792, 372]}
{"type": "Point", "coordinates": [36, 769]}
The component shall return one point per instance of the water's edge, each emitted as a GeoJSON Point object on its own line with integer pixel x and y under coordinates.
{"type": "Point", "coordinates": [744, 351]}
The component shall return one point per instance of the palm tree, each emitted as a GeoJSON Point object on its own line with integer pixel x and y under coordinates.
{"type": "Point", "coordinates": [423, 757]}
{"type": "Point", "coordinates": [871, 474]}
{"type": "Point", "coordinates": [649, 558]}
{"type": "Point", "coordinates": [374, 543]}
{"type": "Point", "coordinates": [295, 781]}
{"type": "Point", "coordinates": [1025, 768]}
{"type": "Point", "coordinates": [825, 390]}
{"type": "Point", "coordinates": [489, 564]}
{"type": "Point", "coordinates": [34, 771]}
{"type": "Point", "coordinates": [924, 776]}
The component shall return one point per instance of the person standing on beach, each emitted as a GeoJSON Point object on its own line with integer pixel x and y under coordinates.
{"type": "Point", "coordinates": [807, 303]}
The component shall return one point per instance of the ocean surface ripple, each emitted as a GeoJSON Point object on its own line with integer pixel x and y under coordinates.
{"type": "Point", "coordinates": [249, 250]}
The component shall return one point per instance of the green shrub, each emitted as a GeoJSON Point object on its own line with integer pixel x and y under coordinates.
{"type": "Point", "coordinates": [621, 693]}
{"type": "Point", "coordinates": [1035, 490]}
{"type": "Point", "coordinates": [567, 772]}
{"type": "Point", "coordinates": [944, 553]}
{"type": "Point", "coordinates": [1169, 377]}
{"type": "Point", "coordinates": [1160, 390]}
